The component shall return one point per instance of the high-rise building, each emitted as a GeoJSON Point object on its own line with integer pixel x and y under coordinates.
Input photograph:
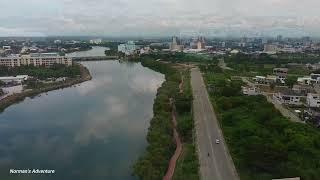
{"type": "Point", "coordinates": [270, 48]}
{"type": "Point", "coordinates": [57, 41]}
{"type": "Point", "coordinates": [175, 44]}
{"type": "Point", "coordinates": [279, 38]}
{"type": "Point", "coordinates": [128, 48]}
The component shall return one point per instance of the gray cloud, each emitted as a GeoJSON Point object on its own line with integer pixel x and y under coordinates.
{"type": "Point", "coordinates": [157, 17]}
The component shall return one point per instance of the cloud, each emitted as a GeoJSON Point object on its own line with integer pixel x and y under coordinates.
{"type": "Point", "coordinates": [152, 17]}
{"type": "Point", "coordinates": [92, 85]}
{"type": "Point", "coordinates": [116, 106]}
{"type": "Point", "coordinates": [143, 84]}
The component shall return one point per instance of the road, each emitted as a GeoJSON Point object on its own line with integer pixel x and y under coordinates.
{"type": "Point", "coordinates": [218, 165]}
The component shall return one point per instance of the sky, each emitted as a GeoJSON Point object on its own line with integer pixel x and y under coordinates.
{"type": "Point", "coordinates": [159, 17]}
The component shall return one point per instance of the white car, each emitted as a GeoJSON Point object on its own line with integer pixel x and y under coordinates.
{"type": "Point", "coordinates": [217, 141]}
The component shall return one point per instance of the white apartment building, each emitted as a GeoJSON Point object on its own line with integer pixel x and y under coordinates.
{"type": "Point", "coordinates": [287, 98]}
{"type": "Point", "coordinates": [18, 78]}
{"type": "Point", "coordinates": [128, 48]}
{"type": "Point", "coordinates": [313, 100]}
{"type": "Point", "coordinates": [37, 59]}
{"type": "Point", "coordinates": [96, 41]}
{"type": "Point", "coordinates": [309, 80]}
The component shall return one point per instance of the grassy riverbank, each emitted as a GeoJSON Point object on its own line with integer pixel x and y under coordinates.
{"type": "Point", "coordinates": [188, 163]}
{"type": "Point", "coordinates": [15, 98]}
{"type": "Point", "coordinates": [263, 143]}
{"type": "Point", "coordinates": [154, 162]}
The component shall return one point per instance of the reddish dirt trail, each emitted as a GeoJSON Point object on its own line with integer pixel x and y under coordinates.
{"type": "Point", "coordinates": [181, 84]}
{"type": "Point", "coordinates": [177, 153]}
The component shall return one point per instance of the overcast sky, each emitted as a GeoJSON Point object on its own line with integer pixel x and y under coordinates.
{"type": "Point", "coordinates": [159, 17]}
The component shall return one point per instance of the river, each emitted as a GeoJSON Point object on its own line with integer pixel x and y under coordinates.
{"type": "Point", "coordinates": [95, 51]}
{"type": "Point", "coordinates": [95, 130]}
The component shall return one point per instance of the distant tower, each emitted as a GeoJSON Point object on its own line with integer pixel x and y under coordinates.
{"type": "Point", "coordinates": [174, 40]}
{"type": "Point", "coordinates": [201, 43]}
{"type": "Point", "coordinates": [174, 43]}
{"type": "Point", "coordinates": [279, 38]}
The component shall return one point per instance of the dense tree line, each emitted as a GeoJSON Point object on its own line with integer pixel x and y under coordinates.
{"type": "Point", "coordinates": [263, 143]}
{"type": "Point", "coordinates": [277, 59]}
{"type": "Point", "coordinates": [57, 70]}
{"type": "Point", "coordinates": [180, 57]}
{"type": "Point", "coordinates": [188, 163]}
{"type": "Point", "coordinates": [111, 45]}
{"type": "Point", "coordinates": [154, 163]}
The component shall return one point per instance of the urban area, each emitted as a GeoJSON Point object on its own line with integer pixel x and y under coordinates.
{"type": "Point", "coordinates": [230, 108]}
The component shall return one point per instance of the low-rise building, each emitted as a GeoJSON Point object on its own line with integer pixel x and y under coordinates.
{"type": "Point", "coordinates": [309, 80]}
{"type": "Point", "coordinates": [265, 80]}
{"type": "Point", "coordinates": [289, 98]}
{"type": "Point", "coordinates": [270, 48]}
{"type": "Point", "coordinates": [234, 51]}
{"type": "Point", "coordinates": [295, 178]}
{"type": "Point", "coordinates": [250, 91]}
{"type": "Point", "coordinates": [313, 100]}
{"type": "Point", "coordinates": [281, 73]}
{"type": "Point", "coordinates": [6, 47]}
{"type": "Point", "coordinates": [313, 66]}
{"type": "Point", "coordinates": [17, 79]}
{"type": "Point", "coordinates": [36, 59]}
{"type": "Point", "coordinates": [145, 50]}
{"type": "Point", "coordinates": [306, 80]}
{"type": "Point", "coordinates": [302, 89]}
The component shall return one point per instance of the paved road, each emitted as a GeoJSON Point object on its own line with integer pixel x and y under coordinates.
{"type": "Point", "coordinates": [218, 165]}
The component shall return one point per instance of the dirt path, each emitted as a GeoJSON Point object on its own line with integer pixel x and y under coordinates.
{"type": "Point", "coordinates": [177, 153]}
{"type": "Point", "coordinates": [181, 84]}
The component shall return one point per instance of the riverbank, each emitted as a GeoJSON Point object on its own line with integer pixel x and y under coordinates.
{"type": "Point", "coordinates": [154, 163]}
{"type": "Point", "coordinates": [15, 98]}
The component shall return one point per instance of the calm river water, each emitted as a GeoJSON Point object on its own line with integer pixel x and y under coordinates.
{"type": "Point", "coordinates": [92, 131]}
{"type": "Point", "coordinates": [95, 51]}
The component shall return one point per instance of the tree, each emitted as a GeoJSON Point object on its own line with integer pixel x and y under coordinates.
{"type": "Point", "coordinates": [291, 80]}
{"type": "Point", "coordinates": [111, 52]}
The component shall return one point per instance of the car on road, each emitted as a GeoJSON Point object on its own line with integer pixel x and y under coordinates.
{"type": "Point", "coordinates": [217, 141]}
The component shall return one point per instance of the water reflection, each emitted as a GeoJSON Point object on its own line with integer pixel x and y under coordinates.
{"type": "Point", "coordinates": [95, 51]}
{"type": "Point", "coordinates": [92, 131]}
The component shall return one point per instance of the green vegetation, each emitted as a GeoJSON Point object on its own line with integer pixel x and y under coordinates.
{"type": "Point", "coordinates": [111, 45]}
{"type": "Point", "coordinates": [57, 70]}
{"type": "Point", "coordinates": [187, 166]}
{"type": "Point", "coordinates": [188, 163]}
{"type": "Point", "coordinates": [252, 65]}
{"type": "Point", "coordinates": [263, 143]}
{"type": "Point", "coordinates": [154, 163]}
{"type": "Point", "coordinates": [181, 57]}
{"type": "Point", "coordinates": [82, 46]}
{"type": "Point", "coordinates": [291, 80]}
{"type": "Point", "coordinates": [38, 87]}
{"type": "Point", "coordinates": [113, 52]}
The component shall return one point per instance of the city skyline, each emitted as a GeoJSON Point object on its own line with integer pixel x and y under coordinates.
{"type": "Point", "coordinates": [290, 18]}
